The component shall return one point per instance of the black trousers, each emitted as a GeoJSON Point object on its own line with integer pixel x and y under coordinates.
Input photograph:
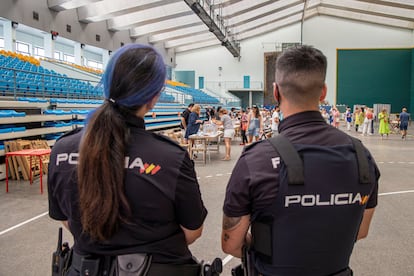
{"type": "Point", "coordinates": [244, 137]}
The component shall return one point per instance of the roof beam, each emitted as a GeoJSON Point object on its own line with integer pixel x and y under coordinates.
{"type": "Point", "coordinates": [198, 45]}
{"type": "Point", "coordinates": [271, 27]}
{"type": "Point", "coordinates": [368, 8]}
{"type": "Point", "coordinates": [225, 3]}
{"type": "Point", "coordinates": [257, 14]}
{"type": "Point", "coordinates": [61, 5]}
{"type": "Point", "coordinates": [193, 30]}
{"type": "Point", "coordinates": [148, 16]}
{"type": "Point", "coordinates": [166, 26]}
{"type": "Point", "coordinates": [244, 6]}
{"type": "Point", "coordinates": [270, 19]}
{"type": "Point", "coordinates": [405, 4]}
{"type": "Point", "coordinates": [189, 40]}
{"type": "Point", "coordinates": [107, 9]}
{"type": "Point", "coordinates": [368, 18]}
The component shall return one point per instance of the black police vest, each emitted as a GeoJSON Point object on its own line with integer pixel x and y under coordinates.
{"type": "Point", "coordinates": [312, 226]}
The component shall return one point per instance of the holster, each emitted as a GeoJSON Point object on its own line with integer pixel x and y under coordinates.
{"type": "Point", "coordinates": [132, 264]}
{"type": "Point", "coordinates": [246, 268]}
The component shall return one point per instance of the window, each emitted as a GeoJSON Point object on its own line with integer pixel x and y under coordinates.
{"type": "Point", "coordinates": [1, 43]}
{"type": "Point", "coordinates": [56, 55]}
{"type": "Point", "coordinates": [38, 52]}
{"type": "Point", "coordinates": [22, 48]}
{"type": "Point", "coordinates": [94, 64]}
{"type": "Point", "coordinates": [69, 58]}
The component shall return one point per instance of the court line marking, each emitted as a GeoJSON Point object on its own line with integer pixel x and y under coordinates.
{"type": "Point", "coordinates": [23, 223]}
{"type": "Point", "coordinates": [227, 259]}
{"type": "Point", "coordinates": [396, 193]}
{"type": "Point", "coordinates": [395, 162]}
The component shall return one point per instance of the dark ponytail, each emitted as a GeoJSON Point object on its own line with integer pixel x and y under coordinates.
{"type": "Point", "coordinates": [101, 168]}
{"type": "Point", "coordinates": [135, 75]}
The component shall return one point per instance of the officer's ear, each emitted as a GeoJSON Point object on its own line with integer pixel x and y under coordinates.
{"type": "Point", "coordinates": [276, 94]}
{"type": "Point", "coordinates": [323, 92]}
{"type": "Point", "coordinates": [151, 104]}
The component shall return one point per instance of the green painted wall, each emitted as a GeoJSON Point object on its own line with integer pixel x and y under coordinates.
{"type": "Point", "coordinates": [369, 76]}
{"type": "Point", "coordinates": [410, 106]}
{"type": "Point", "coordinates": [187, 77]}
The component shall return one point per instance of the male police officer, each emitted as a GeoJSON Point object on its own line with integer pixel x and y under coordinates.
{"type": "Point", "coordinates": [306, 208]}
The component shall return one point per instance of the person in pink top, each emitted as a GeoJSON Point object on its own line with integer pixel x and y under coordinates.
{"type": "Point", "coordinates": [335, 117]}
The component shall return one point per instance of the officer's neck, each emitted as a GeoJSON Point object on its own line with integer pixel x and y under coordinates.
{"type": "Point", "coordinates": [289, 109]}
{"type": "Point", "coordinates": [146, 107]}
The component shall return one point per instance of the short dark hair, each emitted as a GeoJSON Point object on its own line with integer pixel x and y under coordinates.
{"type": "Point", "coordinates": [191, 105]}
{"type": "Point", "coordinates": [300, 73]}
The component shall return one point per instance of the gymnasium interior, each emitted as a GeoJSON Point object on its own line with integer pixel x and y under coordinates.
{"type": "Point", "coordinates": [217, 53]}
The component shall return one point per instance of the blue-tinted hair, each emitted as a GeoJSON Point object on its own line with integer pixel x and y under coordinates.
{"type": "Point", "coordinates": [135, 74]}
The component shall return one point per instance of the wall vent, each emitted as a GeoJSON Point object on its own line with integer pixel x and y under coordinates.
{"type": "Point", "coordinates": [35, 16]}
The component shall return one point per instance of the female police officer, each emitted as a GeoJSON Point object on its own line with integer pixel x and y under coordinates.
{"type": "Point", "coordinates": [121, 189]}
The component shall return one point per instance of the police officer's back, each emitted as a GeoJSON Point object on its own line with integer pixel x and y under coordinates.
{"type": "Point", "coordinates": [308, 205]}
{"type": "Point", "coordinates": [120, 189]}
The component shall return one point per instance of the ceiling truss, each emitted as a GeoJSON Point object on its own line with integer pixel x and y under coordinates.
{"type": "Point", "coordinates": [175, 24]}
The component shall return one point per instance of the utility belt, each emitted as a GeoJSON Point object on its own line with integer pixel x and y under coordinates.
{"type": "Point", "coordinates": [129, 265]}
{"type": "Point", "coordinates": [66, 262]}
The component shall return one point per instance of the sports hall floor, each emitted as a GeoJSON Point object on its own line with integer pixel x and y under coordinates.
{"type": "Point", "coordinates": [28, 236]}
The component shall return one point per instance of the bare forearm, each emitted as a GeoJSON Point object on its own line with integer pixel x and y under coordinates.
{"type": "Point", "coordinates": [366, 221]}
{"type": "Point", "coordinates": [66, 224]}
{"type": "Point", "coordinates": [235, 235]}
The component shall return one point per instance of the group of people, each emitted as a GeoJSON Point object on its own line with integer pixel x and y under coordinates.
{"type": "Point", "coordinates": [124, 191]}
{"type": "Point", "coordinates": [363, 120]}
{"type": "Point", "coordinates": [256, 124]}
{"type": "Point", "coordinates": [253, 122]}
{"type": "Point", "coordinates": [191, 122]}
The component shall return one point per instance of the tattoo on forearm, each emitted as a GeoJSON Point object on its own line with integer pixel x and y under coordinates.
{"type": "Point", "coordinates": [230, 222]}
{"type": "Point", "coordinates": [226, 237]}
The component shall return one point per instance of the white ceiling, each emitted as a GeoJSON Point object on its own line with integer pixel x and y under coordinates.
{"type": "Point", "coordinates": [173, 22]}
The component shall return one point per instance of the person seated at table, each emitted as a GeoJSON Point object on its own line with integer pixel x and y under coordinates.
{"type": "Point", "coordinates": [228, 131]}
{"type": "Point", "coordinates": [194, 121]}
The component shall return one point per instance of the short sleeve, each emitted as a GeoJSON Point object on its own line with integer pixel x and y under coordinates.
{"type": "Point", "coordinates": [236, 202]}
{"type": "Point", "coordinates": [373, 198]}
{"type": "Point", "coordinates": [55, 212]}
{"type": "Point", "coordinates": [252, 186]}
{"type": "Point", "coordinates": [190, 210]}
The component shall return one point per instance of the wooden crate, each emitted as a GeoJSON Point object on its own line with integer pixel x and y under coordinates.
{"type": "Point", "coordinates": [20, 165]}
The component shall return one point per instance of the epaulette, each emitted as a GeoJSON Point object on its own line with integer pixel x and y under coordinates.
{"type": "Point", "coordinates": [70, 133]}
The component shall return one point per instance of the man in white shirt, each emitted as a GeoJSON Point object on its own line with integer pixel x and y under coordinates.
{"type": "Point", "coordinates": [275, 121]}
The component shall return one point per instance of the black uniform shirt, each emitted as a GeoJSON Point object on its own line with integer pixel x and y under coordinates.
{"type": "Point", "coordinates": [185, 115]}
{"type": "Point", "coordinates": [254, 182]}
{"type": "Point", "coordinates": [160, 184]}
